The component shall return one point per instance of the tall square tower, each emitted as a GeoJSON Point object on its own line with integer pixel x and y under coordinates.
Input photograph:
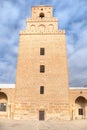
{"type": "Point", "coordinates": [42, 72]}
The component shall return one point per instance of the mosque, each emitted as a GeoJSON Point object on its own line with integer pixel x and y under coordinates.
{"type": "Point", "coordinates": [42, 91]}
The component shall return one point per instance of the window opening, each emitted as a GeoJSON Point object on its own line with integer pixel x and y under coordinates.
{"type": "Point", "coordinates": [41, 89]}
{"type": "Point", "coordinates": [42, 51]}
{"type": "Point", "coordinates": [80, 111]}
{"type": "Point", "coordinates": [42, 68]}
{"type": "Point", "coordinates": [3, 107]}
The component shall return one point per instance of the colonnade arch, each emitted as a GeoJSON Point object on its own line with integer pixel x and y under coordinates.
{"type": "Point", "coordinates": [3, 102]}
{"type": "Point", "coordinates": [80, 107]}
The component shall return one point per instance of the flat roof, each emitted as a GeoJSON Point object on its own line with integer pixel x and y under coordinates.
{"type": "Point", "coordinates": [7, 85]}
{"type": "Point", "coordinates": [78, 88]}
{"type": "Point", "coordinates": [13, 86]}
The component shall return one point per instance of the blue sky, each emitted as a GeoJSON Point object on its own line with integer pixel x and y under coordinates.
{"type": "Point", "coordinates": [72, 16]}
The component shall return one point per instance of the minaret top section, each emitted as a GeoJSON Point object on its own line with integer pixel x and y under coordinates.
{"type": "Point", "coordinates": [42, 21]}
{"type": "Point", "coordinates": [41, 11]}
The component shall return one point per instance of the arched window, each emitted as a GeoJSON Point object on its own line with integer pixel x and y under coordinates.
{"type": "Point", "coordinates": [3, 101]}
{"type": "Point", "coordinates": [41, 15]}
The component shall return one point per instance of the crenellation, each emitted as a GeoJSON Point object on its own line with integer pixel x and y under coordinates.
{"type": "Point", "coordinates": [47, 32]}
{"type": "Point", "coordinates": [36, 20]}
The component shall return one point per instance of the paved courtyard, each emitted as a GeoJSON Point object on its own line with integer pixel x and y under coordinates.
{"type": "Point", "coordinates": [40, 125]}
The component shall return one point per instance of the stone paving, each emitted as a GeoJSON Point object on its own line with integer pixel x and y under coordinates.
{"type": "Point", "coordinates": [43, 125]}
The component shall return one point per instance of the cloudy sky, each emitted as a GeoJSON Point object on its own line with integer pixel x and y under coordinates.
{"type": "Point", "coordinates": [72, 15]}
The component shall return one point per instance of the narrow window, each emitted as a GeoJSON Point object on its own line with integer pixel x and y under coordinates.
{"type": "Point", "coordinates": [42, 68]}
{"type": "Point", "coordinates": [42, 51]}
{"type": "Point", "coordinates": [80, 111]}
{"type": "Point", "coordinates": [41, 89]}
{"type": "Point", "coordinates": [41, 115]}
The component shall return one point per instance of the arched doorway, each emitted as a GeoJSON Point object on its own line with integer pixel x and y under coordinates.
{"type": "Point", "coordinates": [80, 105]}
{"type": "Point", "coordinates": [3, 102]}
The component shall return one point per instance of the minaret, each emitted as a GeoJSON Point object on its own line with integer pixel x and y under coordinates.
{"type": "Point", "coordinates": [42, 72]}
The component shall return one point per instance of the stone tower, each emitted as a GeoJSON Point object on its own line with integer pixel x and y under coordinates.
{"type": "Point", "coordinates": [42, 73]}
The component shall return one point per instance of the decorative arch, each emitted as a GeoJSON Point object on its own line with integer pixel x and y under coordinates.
{"type": "Point", "coordinates": [49, 14]}
{"type": "Point", "coordinates": [3, 101]}
{"type": "Point", "coordinates": [51, 27]}
{"type": "Point", "coordinates": [42, 27]}
{"type": "Point", "coordinates": [32, 27]}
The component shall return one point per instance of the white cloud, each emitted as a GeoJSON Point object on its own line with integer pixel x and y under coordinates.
{"type": "Point", "coordinates": [72, 17]}
{"type": "Point", "coordinates": [8, 13]}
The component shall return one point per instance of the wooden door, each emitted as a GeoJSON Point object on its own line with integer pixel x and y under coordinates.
{"type": "Point", "coordinates": [41, 115]}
